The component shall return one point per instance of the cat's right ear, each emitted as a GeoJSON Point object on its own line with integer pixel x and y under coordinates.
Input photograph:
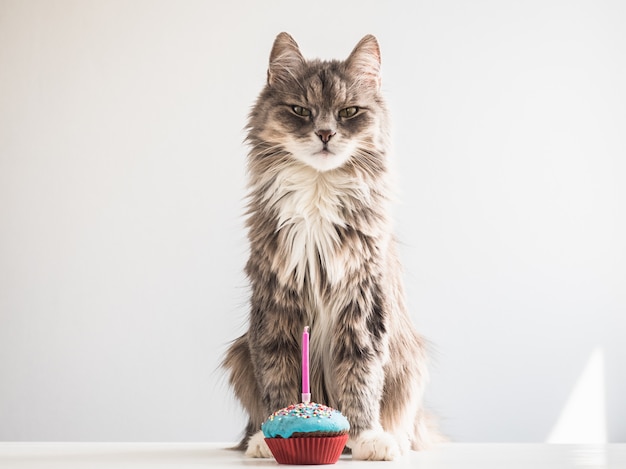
{"type": "Point", "coordinates": [284, 57]}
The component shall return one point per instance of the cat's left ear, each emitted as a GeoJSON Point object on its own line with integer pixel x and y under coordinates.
{"type": "Point", "coordinates": [364, 61]}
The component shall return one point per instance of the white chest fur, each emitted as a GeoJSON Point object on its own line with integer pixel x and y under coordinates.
{"type": "Point", "coordinates": [310, 206]}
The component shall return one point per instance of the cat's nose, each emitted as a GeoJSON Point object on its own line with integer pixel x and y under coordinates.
{"type": "Point", "coordinates": [325, 135]}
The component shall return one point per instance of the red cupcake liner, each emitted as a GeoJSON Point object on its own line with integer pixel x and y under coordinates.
{"type": "Point", "coordinates": [307, 450]}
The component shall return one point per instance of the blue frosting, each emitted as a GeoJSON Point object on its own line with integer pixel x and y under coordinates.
{"type": "Point", "coordinates": [304, 418]}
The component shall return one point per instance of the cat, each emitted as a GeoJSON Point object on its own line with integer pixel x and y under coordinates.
{"type": "Point", "coordinates": [322, 254]}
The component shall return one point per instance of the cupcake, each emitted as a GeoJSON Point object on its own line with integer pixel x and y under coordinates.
{"type": "Point", "coordinates": [306, 433]}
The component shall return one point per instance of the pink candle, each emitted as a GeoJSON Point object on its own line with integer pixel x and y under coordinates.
{"type": "Point", "coordinates": [306, 390]}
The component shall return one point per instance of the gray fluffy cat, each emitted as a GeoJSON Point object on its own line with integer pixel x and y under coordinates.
{"type": "Point", "coordinates": [322, 254]}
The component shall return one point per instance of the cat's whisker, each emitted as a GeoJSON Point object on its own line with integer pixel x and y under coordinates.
{"type": "Point", "coordinates": [370, 161]}
{"type": "Point", "coordinates": [263, 149]}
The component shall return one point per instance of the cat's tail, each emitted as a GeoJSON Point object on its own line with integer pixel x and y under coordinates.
{"type": "Point", "coordinates": [427, 432]}
{"type": "Point", "coordinates": [239, 364]}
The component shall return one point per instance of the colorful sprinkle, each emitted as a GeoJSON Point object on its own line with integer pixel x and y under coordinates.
{"type": "Point", "coordinates": [303, 410]}
{"type": "Point", "coordinates": [304, 418]}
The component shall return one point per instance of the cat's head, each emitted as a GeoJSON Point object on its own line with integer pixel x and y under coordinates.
{"type": "Point", "coordinates": [322, 113]}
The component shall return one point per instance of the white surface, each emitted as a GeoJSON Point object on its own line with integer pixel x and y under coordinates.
{"type": "Point", "coordinates": [190, 455]}
{"type": "Point", "coordinates": [121, 193]}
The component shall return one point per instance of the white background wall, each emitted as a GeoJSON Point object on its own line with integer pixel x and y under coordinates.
{"type": "Point", "coordinates": [121, 193]}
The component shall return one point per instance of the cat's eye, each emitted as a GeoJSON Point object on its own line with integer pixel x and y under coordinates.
{"type": "Point", "coordinates": [349, 112]}
{"type": "Point", "coordinates": [301, 111]}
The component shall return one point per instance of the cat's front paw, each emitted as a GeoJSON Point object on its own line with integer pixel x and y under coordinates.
{"type": "Point", "coordinates": [374, 445]}
{"type": "Point", "coordinates": [257, 448]}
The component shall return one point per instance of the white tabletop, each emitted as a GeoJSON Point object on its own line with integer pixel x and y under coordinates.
{"type": "Point", "coordinates": [207, 455]}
